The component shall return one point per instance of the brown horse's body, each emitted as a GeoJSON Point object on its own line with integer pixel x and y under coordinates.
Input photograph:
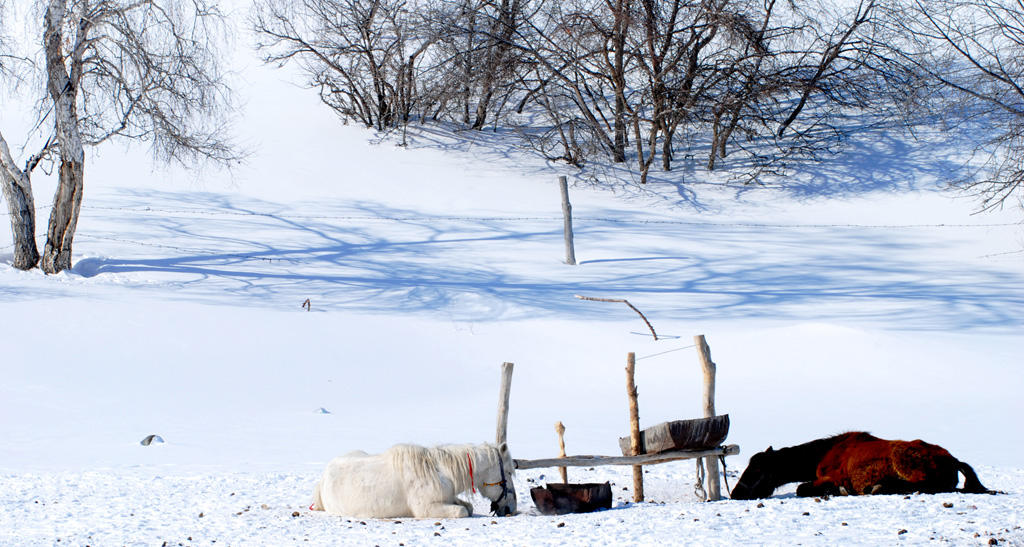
{"type": "Point", "coordinates": [856, 463]}
{"type": "Point", "coordinates": [859, 463]}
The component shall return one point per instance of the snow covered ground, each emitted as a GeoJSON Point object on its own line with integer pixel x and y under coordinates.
{"type": "Point", "coordinates": [152, 508]}
{"type": "Point", "coordinates": [859, 296]}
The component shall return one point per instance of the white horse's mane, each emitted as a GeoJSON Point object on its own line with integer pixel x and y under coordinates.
{"type": "Point", "coordinates": [452, 461]}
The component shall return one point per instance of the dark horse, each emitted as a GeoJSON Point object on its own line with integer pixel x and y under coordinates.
{"type": "Point", "coordinates": [856, 463]}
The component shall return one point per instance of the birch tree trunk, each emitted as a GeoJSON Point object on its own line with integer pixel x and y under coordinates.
{"type": "Point", "coordinates": [17, 192]}
{"type": "Point", "coordinates": [62, 86]}
{"type": "Point", "coordinates": [67, 202]}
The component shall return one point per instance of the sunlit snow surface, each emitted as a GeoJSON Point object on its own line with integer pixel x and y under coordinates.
{"type": "Point", "coordinates": [858, 296]}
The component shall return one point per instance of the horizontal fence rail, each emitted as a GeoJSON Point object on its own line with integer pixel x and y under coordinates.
{"type": "Point", "coordinates": [643, 459]}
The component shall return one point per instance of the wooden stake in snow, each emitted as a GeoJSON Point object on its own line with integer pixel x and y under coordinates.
{"type": "Point", "coordinates": [570, 250]}
{"type": "Point", "coordinates": [709, 368]}
{"type": "Point", "coordinates": [560, 429]}
{"type": "Point", "coordinates": [505, 390]}
{"type": "Point", "coordinates": [634, 427]}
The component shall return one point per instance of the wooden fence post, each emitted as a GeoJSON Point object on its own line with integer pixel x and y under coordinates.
{"type": "Point", "coordinates": [709, 369]}
{"type": "Point", "coordinates": [505, 390]}
{"type": "Point", "coordinates": [560, 429]}
{"type": "Point", "coordinates": [634, 428]}
{"type": "Point", "coordinates": [570, 250]}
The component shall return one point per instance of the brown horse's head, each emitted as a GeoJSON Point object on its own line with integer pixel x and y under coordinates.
{"type": "Point", "coordinates": [756, 482]}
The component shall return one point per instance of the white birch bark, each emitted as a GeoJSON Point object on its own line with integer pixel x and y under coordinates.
{"type": "Point", "coordinates": [63, 90]}
{"type": "Point", "coordinates": [17, 191]}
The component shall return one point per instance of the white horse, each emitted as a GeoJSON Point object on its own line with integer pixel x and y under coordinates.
{"type": "Point", "coordinates": [414, 481]}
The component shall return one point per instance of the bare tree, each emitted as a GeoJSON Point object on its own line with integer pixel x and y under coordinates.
{"type": "Point", "coordinates": [145, 70]}
{"type": "Point", "coordinates": [681, 64]}
{"type": "Point", "coordinates": [461, 31]}
{"type": "Point", "coordinates": [499, 55]}
{"type": "Point", "coordinates": [361, 55]}
{"type": "Point", "coordinates": [748, 80]}
{"type": "Point", "coordinates": [792, 73]}
{"type": "Point", "coordinates": [572, 54]}
{"type": "Point", "coordinates": [15, 184]}
{"type": "Point", "coordinates": [3, 37]}
{"type": "Point", "coordinates": [711, 69]}
{"type": "Point", "coordinates": [475, 67]}
{"type": "Point", "coordinates": [973, 49]}
{"type": "Point", "coordinates": [835, 44]}
{"type": "Point", "coordinates": [627, 79]}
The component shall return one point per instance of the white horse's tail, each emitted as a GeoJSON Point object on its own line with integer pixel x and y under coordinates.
{"type": "Point", "coordinates": [318, 504]}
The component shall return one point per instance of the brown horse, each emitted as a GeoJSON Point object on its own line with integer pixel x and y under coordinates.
{"type": "Point", "coordinates": [856, 463]}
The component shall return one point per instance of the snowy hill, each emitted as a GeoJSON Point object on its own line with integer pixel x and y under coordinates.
{"type": "Point", "coordinates": [857, 296]}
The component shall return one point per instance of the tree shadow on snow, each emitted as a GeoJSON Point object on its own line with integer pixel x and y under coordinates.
{"type": "Point", "coordinates": [869, 160]}
{"type": "Point", "coordinates": [241, 251]}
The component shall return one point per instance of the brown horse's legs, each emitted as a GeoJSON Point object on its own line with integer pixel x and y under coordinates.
{"type": "Point", "coordinates": [817, 488]}
{"type": "Point", "coordinates": [892, 485]}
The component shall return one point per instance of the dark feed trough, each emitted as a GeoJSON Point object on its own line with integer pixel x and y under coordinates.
{"type": "Point", "coordinates": [699, 434]}
{"type": "Point", "coordinates": [562, 499]}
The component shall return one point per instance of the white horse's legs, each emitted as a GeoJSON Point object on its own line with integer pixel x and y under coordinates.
{"type": "Point", "coordinates": [459, 509]}
{"type": "Point", "coordinates": [467, 505]}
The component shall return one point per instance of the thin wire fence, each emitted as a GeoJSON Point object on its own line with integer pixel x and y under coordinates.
{"type": "Point", "coordinates": [199, 212]}
{"type": "Point", "coordinates": [500, 219]}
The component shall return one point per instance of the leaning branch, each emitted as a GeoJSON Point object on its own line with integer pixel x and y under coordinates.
{"type": "Point", "coordinates": [624, 301]}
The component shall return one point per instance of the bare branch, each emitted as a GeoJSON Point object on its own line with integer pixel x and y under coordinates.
{"type": "Point", "coordinates": [972, 51]}
{"type": "Point", "coordinates": [622, 301]}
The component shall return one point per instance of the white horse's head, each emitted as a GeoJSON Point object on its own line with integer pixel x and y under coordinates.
{"type": "Point", "coordinates": [495, 478]}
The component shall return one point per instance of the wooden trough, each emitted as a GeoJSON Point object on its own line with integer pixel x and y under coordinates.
{"type": "Point", "coordinates": [699, 434]}
{"type": "Point", "coordinates": [562, 499]}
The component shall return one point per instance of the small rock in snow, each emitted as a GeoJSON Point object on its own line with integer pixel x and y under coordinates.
{"type": "Point", "coordinates": [150, 439]}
